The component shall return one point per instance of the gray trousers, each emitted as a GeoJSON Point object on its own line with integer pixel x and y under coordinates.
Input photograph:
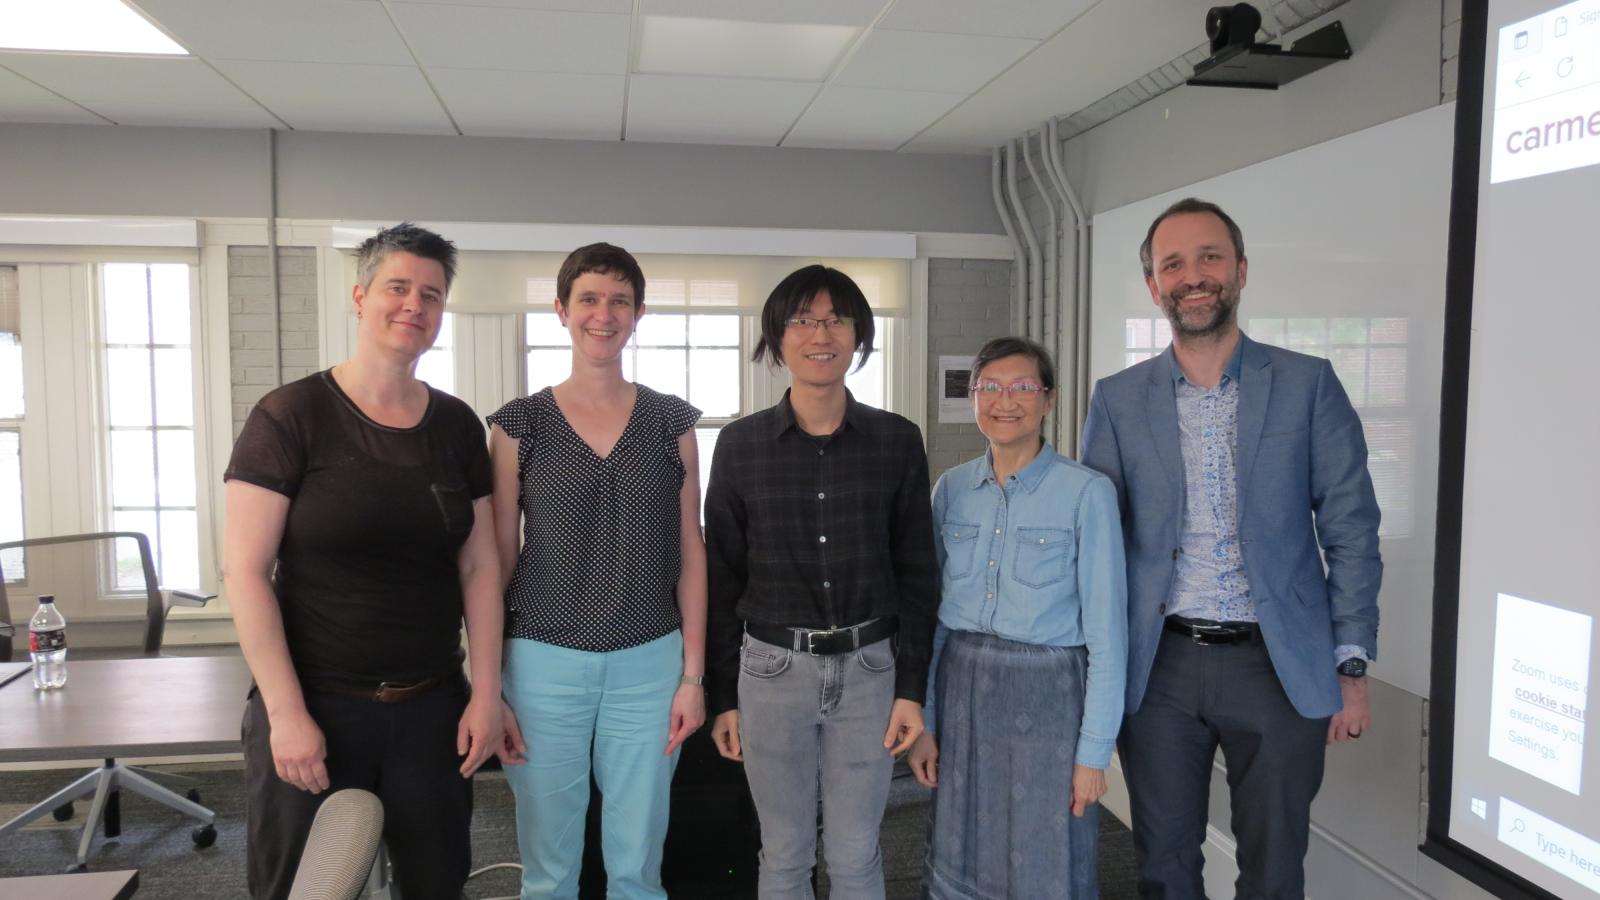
{"type": "Point", "coordinates": [1200, 698]}
{"type": "Point", "coordinates": [813, 726]}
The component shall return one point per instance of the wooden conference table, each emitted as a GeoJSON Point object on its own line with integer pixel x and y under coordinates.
{"type": "Point", "coordinates": [120, 708]}
{"type": "Point", "coordinates": [118, 885]}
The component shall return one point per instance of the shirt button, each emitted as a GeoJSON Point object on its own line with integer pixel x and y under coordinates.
{"type": "Point", "coordinates": [989, 596]}
{"type": "Point", "coordinates": [1175, 554]}
{"type": "Point", "coordinates": [997, 531]}
{"type": "Point", "coordinates": [823, 539]}
{"type": "Point", "coordinates": [821, 495]}
{"type": "Point", "coordinates": [1041, 540]}
{"type": "Point", "coordinates": [820, 452]}
{"type": "Point", "coordinates": [991, 562]}
{"type": "Point", "coordinates": [827, 584]}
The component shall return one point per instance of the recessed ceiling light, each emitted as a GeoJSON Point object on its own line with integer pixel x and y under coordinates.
{"type": "Point", "coordinates": [83, 26]}
{"type": "Point", "coordinates": [674, 45]}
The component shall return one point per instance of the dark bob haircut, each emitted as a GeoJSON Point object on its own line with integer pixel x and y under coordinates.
{"type": "Point", "coordinates": [1000, 348]}
{"type": "Point", "coordinates": [605, 259]}
{"type": "Point", "coordinates": [796, 292]}
{"type": "Point", "coordinates": [404, 238]}
{"type": "Point", "coordinates": [1189, 205]}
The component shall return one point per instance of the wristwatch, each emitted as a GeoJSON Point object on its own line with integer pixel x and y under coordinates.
{"type": "Point", "coordinates": [1354, 667]}
{"type": "Point", "coordinates": [696, 680]}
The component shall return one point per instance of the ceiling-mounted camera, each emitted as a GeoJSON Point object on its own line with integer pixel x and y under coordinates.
{"type": "Point", "coordinates": [1238, 61]}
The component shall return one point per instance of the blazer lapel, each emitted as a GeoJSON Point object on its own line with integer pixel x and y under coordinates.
{"type": "Point", "coordinates": [1255, 387]}
{"type": "Point", "coordinates": [1161, 411]}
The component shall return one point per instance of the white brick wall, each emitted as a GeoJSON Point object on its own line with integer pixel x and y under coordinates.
{"type": "Point", "coordinates": [969, 302]}
{"type": "Point", "coordinates": [250, 322]}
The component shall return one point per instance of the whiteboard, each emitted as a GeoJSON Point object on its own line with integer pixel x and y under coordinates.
{"type": "Point", "coordinates": [1346, 242]}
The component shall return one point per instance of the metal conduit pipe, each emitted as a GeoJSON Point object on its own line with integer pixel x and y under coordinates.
{"type": "Point", "coordinates": [1017, 300]}
{"type": "Point", "coordinates": [1065, 336]}
{"type": "Point", "coordinates": [1081, 307]}
{"type": "Point", "coordinates": [272, 256]}
{"type": "Point", "coordinates": [1025, 227]}
{"type": "Point", "coordinates": [1042, 327]}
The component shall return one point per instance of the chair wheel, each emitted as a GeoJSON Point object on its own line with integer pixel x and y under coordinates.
{"type": "Point", "coordinates": [62, 812]}
{"type": "Point", "coordinates": [204, 836]}
{"type": "Point", "coordinates": [193, 796]}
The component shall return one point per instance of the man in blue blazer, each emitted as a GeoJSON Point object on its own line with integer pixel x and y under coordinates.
{"type": "Point", "coordinates": [1252, 544]}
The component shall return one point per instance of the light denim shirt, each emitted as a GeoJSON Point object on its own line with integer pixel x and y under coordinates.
{"type": "Point", "coordinates": [1038, 560]}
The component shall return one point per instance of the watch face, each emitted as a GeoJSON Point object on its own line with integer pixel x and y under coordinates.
{"type": "Point", "coordinates": [1355, 668]}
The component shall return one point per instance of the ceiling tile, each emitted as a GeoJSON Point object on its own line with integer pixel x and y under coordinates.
{"type": "Point", "coordinates": [475, 37]}
{"type": "Point", "coordinates": [143, 90]}
{"type": "Point", "coordinates": [623, 7]}
{"type": "Point", "coordinates": [344, 31]}
{"type": "Point", "coordinates": [721, 47]}
{"type": "Point", "coordinates": [858, 118]}
{"type": "Point", "coordinates": [925, 61]}
{"type": "Point", "coordinates": [856, 13]}
{"type": "Point", "coordinates": [533, 104]}
{"type": "Point", "coordinates": [691, 110]}
{"type": "Point", "coordinates": [340, 97]}
{"type": "Point", "coordinates": [23, 101]}
{"type": "Point", "coordinates": [1036, 19]}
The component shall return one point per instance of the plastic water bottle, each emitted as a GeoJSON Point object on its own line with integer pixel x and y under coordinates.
{"type": "Point", "coordinates": [47, 642]}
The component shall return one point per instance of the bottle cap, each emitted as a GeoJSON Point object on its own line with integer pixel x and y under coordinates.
{"type": "Point", "coordinates": [46, 598]}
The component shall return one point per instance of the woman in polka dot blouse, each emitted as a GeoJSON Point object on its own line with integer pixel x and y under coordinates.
{"type": "Point", "coordinates": [606, 599]}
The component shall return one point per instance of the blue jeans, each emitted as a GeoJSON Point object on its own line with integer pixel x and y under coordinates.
{"type": "Point", "coordinates": [614, 708]}
{"type": "Point", "coordinates": [810, 726]}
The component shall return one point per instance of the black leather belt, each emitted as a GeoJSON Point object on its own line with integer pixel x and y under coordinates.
{"type": "Point", "coordinates": [825, 642]}
{"type": "Point", "coordinates": [1202, 632]}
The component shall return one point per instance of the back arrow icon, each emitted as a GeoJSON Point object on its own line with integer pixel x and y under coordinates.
{"type": "Point", "coordinates": [1521, 77]}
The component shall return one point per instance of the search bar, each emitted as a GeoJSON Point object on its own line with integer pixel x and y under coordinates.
{"type": "Point", "coordinates": [1552, 844]}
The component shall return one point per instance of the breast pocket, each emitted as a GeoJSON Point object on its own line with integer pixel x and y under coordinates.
{"type": "Point", "coordinates": [960, 545]}
{"type": "Point", "coordinates": [1044, 556]}
{"type": "Point", "coordinates": [455, 507]}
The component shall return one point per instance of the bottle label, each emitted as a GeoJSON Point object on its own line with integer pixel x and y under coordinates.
{"type": "Point", "coordinates": [47, 641]}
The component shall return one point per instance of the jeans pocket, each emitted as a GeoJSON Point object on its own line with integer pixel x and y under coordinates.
{"type": "Point", "coordinates": [879, 657]}
{"type": "Point", "coordinates": [758, 662]}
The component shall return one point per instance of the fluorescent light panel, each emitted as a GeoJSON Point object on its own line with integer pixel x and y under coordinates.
{"type": "Point", "coordinates": [80, 26]}
{"type": "Point", "coordinates": [677, 45]}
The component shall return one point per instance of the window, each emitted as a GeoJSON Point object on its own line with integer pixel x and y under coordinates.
{"type": "Point", "coordinates": [437, 366]}
{"type": "Point", "coordinates": [11, 412]}
{"type": "Point", "coordinates": [149, 417]}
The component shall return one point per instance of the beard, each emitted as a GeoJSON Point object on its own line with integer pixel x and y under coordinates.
{"type": "Point", "coordinates": [1202, 321]}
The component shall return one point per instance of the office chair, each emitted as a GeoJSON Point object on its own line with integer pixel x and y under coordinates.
{"type": "Point", "coordinates": [341, 848]}
{"type": "Point", "coordinates": [105, 584]}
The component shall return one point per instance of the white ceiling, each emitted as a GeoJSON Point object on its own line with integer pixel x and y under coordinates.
{"type": "Point", "coordinates": [914, 75]}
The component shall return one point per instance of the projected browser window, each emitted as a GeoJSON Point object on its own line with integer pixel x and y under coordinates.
{"type": "Point", "coordinates": [1547, 93]}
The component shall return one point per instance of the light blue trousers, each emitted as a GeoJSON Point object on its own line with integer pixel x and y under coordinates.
{"type": "Point", "coordinates": [613, 708]}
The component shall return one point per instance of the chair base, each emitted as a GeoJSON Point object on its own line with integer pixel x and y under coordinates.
{"type": "Point", "coordinates": [103, 783]}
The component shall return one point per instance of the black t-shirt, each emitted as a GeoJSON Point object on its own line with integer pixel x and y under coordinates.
{"type": "Point", "coordinates": [366, 576]}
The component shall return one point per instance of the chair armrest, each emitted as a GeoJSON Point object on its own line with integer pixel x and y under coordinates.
{"type": "Point", "coordinates": [185, 598]}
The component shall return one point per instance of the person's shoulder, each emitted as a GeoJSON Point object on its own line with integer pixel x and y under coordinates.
{"type": "Point", "coordinates": [1283, 356]}
{"type": "Point", "coordinates": [668, 406]}
{"type": "Point", "coordinates": [749, 428]}
{"type": "Point", "coordinates": [1136, 374]}
{"type": "Point", "coordinates": [889, 423]}
{"type": "Point", "coordinates": [300, 397]}
{"type": "Point", "coordinates": [1072, 472]}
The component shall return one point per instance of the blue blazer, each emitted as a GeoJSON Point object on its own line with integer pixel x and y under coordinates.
{"type": "Point", "coordinates": [1304, 497]}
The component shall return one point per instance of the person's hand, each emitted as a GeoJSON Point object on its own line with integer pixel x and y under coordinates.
{"type": "Point", "coordinates": [924, 760]}
{"type": "Point", "coordinates": [688, 714]}
{"type": "Point", "coordinates": [480, 733]}
{"type": "Point", "coordinates": [513, 750]}
{"type": "Point", "coordinates": [1349, 723]}
{"type": "Point", "coordinates": [905, 726]}
{"type": "Point", "coordinates": [725, 734]}
{"type": "Point", "coordinates": [1088, 786]}
{"type": "Point", "coordinates": [299, 752]}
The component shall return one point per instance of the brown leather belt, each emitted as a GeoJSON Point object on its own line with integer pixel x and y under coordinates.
{"type": "Point", "coordinates": [386, 692]}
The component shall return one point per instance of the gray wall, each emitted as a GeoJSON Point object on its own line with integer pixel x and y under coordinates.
{"type": "Point", "coordinates": [250, 339]}
{"type": "Point", "coordinates": [107, 170]}
{"type": "Point", "coordinates": [969, 301]}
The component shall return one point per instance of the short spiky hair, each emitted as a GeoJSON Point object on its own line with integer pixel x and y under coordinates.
{"type": "Point", "coordinates": [1189, 205]}
{"type": "Point", "coordinates": [605, 259]}
{"type": "Point", "coordinates": [404, 238]}
{"type": "Point", "coordinates": [797, 291]}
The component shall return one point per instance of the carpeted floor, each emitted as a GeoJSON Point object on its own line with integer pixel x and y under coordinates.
{"type": "Point", "coordinates": [156, 841]}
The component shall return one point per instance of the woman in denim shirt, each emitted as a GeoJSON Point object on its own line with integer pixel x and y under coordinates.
{"type": "Point", "coordinates": [1025, 692]}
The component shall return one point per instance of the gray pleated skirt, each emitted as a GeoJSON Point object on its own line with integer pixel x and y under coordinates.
{"type": "Point", "coordinates": [1001, 824]}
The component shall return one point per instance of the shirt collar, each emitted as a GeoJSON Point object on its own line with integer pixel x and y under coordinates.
{"type": "Point", "coordinates": [1029, 477]}
{"type": "Point", "coordinates": [1230, 371]}
{"type": "Point", "coordinates": [783, 415]}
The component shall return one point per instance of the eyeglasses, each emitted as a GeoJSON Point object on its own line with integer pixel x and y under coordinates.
{"type": "Point", "coordinates": [837, 323]}
{"type": "Point", "coordinates": [992, 390]}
